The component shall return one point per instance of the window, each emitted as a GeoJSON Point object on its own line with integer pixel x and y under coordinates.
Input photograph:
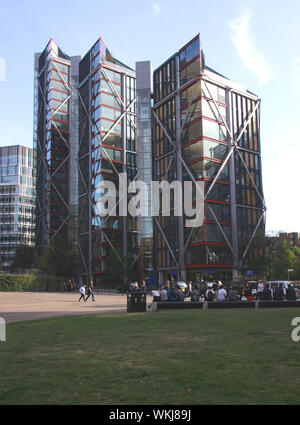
{"type": "Point", "coordinates": [190, 52]}
{"type": "Point", "coordinates": [214, 130]}
{"type": "Point", "coordinates": [214, 234]}
{"type": "Point", "coordinates": [211, 169]}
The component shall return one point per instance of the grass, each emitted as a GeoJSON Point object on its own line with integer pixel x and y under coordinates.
{"type": "Point", "coordinates": [166, 358]}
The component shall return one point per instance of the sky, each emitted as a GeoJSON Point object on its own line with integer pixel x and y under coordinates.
{"type": "Point", "coordinates": [253, 42]}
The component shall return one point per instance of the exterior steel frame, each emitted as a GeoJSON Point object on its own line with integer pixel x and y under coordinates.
{"type": "Point", "coordinates": [88, 203]}
{"type": "Point", "coordinates": [43, 172]}
{"type": "Point", "coordinates": [233, 143]}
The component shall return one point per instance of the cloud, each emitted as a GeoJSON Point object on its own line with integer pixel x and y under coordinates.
{"type": "Point", "coordinates": [156, 7]}
{"type": "Point", "coordinates": [247, 51]}
{"type": "Point", "coordinates": [296, 69]}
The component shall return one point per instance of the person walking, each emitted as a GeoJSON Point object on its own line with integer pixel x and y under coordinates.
{"type": "Point", "coordinates": [90, 291]}
{"type": "Point", "coordinates": [260, 289]}
{"type": "Point", "coordinates": [82, 292]}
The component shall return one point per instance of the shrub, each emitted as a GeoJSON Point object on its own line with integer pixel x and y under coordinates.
{"type": "Point", "coordinates": [30, 283]}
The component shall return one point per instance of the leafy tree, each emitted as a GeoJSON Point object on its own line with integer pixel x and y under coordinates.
{"type": "Point", "coordinates": [60, 259]}
{"type": "Point", "coordinates": [25, 257]}
{"type": "Point", "coordinates": [118, 270]}
{"type": "Point", "coordinates": [114, 267]}
{"type": "Point", "coordinates": [274, 256]}
{"type": "Point", "coordinates": [296, 274]}
{"type": "Point", "coordinates": [279, 258]}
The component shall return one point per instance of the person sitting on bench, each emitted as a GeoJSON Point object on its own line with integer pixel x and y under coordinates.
{"type": "Point", "coordinates": [233, 294]}
{"type": "Point", "coordinates": [163, 294]}
{"type": "Point", "coordinates": [290, 293]}
{"type": "Point", "coordinates": [266, 294]}
{"type": "Point", "coordinates": [278, 293]}
{"type": "Point", "coordinates": [209, 295]}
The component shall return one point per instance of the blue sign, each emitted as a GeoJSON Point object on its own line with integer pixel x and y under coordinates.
{"type": "Point", "coordinates": [208, 271]}
{"type": "Point", "coordinates": [250, 273]}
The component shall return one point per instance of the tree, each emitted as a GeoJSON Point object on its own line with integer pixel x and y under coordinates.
{"type": "Point", "coordinates": [119, 269]}
{"type": "Point", "coordinates": [60, 259]}
{"type": "Point", "coordinates": [25, 257]}
{"type": "Point", "coordinates": [114, 267]}
{"type": "Point", "coordinates": [280, 257]}
{"type": "Point", "coordinates": [274, 256]}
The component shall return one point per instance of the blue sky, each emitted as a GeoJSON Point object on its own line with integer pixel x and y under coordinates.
{"type": "Point", "coordinates": [254, 42]}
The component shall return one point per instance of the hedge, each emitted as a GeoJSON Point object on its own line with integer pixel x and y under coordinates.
{"type": "Point", "coordinates": [30, 283]}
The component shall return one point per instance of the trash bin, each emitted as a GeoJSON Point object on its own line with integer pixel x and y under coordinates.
{"type": "Point", "coordinates": [136, 302]}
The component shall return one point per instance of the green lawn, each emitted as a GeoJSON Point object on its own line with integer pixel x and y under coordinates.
{"type": "Point", "coordinates": [175, 357]}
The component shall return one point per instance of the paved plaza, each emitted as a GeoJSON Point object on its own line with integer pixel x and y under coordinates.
{"type": "Point", "coordinates": [21, 306]}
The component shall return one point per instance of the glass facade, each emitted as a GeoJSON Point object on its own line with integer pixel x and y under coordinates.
{"type": "Point", "coordinates": [55, 143]}
{"type": "Point", "coordinates": [144, 141]}
{"type": "Point", "coordinates": [200, 110]}
{"type": "Point", "coordinates": [17, 201]}
{"type": "Point", "coordinates": [107, 148]}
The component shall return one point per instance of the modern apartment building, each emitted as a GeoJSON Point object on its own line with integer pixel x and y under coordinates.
{"type": "Point", "coordinates": [56, 144]}
{"type": "Point", "coordinates": [97, 119]}
{"type": "Point", "coordinates": [107, 149]}
{"type": "Point", "coordinates": [17, 201]}
{"type": "Point", "coordinates": [206, 128]}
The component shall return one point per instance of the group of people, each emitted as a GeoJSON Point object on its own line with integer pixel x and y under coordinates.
{"type": "Point", "coordinates": [69, 286]}
{"type": "Point", "coordinates": [86, 291]}
{"type": "Point", "coordinates": [218, 292]}
{"type": "Point", "coordinates": [168, 292]}
{"type": "Point", "coordinates": [134, 286]}
{"type": "Point", "coordinates": [262, 292]}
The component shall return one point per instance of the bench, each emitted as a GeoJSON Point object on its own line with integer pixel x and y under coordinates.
{"type": "Point", "coordinates": [270, 304]}
{"type": "Point", "coordinates": [190, 305]}
{"type": "Point", "coordinates": [176, 305]}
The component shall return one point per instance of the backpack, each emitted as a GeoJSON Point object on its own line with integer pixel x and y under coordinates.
{"type": "Point", "coordinates": [210, 296]}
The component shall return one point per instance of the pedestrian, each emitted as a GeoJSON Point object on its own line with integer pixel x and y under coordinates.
{"type": "Point", "coordinates": [291, 293]}
{"type": "Point", "coordinates": [143, 286]}
{"type": "Point", "coordinates": [82, 292]}
{"type": "Point", "coordinates": [267, 294]}
{"type": "Point", "coordinates": [278, 293]}
{"type": "Point", "coordinates": [209, 295]}
{"type": "Point", "coordinates": [90, 291]}
{"type": "Point", "coordinates": [156, 295]}
{"type": "Point", "coordinates": [247, 293]}
{"type": "Point", "coordinates": [260, 289]}
{"type": "Point", "coordinates": [163, 294]}
{"type": "Point", "coordinates": [222, 294]}
{"type": "Point", "coordinates": [215, 286]}
{"type": "Point", "coordinates": [189, 289]}
{"type": "Point", "coordinates": [233, 294]}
